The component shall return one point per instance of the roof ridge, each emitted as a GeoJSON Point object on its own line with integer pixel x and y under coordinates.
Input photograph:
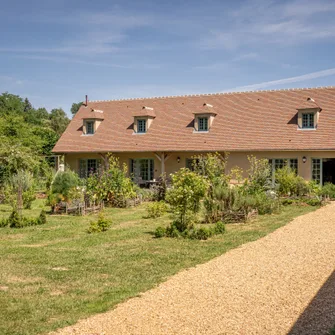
{"type": "Point", "coordinates": [217, 93]}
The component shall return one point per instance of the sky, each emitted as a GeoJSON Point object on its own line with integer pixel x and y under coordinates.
{"type": "Point", "coordinates": [56, 51]}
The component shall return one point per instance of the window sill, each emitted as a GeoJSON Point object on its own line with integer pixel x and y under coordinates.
{"type": "Point", "coordinates": [303, 129]}
{"type": "Point", "coordinates": [200, 131]}
{"type": "Point", "coordinates": [87, 134]}
{"type": "Point", "coordinates": [139, 133]}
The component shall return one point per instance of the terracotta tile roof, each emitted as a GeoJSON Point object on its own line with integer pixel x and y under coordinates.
{"type": "Point", "coordinates": [144, 111]}
{"type": "Point", "coordinates": [260, 120]}
{"type": "Point", "coordinates": [91, 113]}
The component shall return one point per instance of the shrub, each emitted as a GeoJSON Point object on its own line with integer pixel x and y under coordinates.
{"type": "Point", "coordinates": [156, 209]}
{"type": "Point", "coordinates": [328, 190]}
{"type": "Point", "coordinates": [160, 232]}
{"type": "Point", "coordinates": [288, 183]}
{"type": "Point", "coordinates": [202, 233]}
{"type": "Point", "coordinates": [266, 204]}
{"type": "Point", "coordinates": [313, 202]}
{"type": "Point", "coordinates": [101, 225]}
{"type": "Point", "coordinates": [212, 166]}
{"type": "Point", "coordinates": [259, 174]}
{"type": "Point", "coordinates": [63, 183]}
{"type": "Point", "coordinates": [14, 220]}
{"type": "Point", "coordinates": [111, 185]}
{"type": "Point", "coordinates": [42, 219]}
{"type": "Point", "coordinates": [220, 227]}
{"type": "Point", "coordinates": [188, 188]}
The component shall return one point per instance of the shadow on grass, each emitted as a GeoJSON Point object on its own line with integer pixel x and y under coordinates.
{"type": "Point", "coordinates": [319, 316]}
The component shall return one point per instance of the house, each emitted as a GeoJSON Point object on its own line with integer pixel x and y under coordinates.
{"type": "Point", "coordinates": [161, 134]}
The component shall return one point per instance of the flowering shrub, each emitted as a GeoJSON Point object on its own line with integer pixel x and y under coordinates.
{"type": "Point", "coordinates": [111, 184]}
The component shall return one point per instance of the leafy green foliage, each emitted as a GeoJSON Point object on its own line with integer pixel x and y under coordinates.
{"type": "Point", "coordinates": [188, 188]}
{"type": "Point", "coordinates": [328, 190]}
{"type": "Point", "coordinates": [289, 184]}
{"type": "Point", "coordinates": [58, 120]}
{"type": "Point", "coordinates": [63, 184]}
{"type": "Point", "coordinates": [99, 226]}
{"type": "Point", "coordinates": [75, 107]}
{"type": "Point", "coordinates": [156, 209]}
{"type": "Point", "coordinates": [220, 227]}
{"type": "Point", "coordinates": [258, 174]}
{"type": "Point", "coordinates": [111, 185]}
{"type": "Point", "coordinates": [160, 232]}
{"type": "Point", "coordinates": [21, 183]}
{"type": "Point", "coordinates": [17, 221]}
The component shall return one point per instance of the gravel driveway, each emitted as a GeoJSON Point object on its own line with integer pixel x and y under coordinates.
{"type": "Point", "coordinates": [276, 285]}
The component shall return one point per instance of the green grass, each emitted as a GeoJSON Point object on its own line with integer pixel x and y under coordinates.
{"type": "Point", "coordinates": [55, 274]}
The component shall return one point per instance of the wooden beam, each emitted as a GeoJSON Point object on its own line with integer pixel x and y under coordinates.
{"type": "Point", "coordinates": [162, 163]}
{"type": "Point", "coordinates": [158, 157]}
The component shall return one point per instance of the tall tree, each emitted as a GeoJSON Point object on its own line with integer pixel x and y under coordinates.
{"type": "Point", "coordinates": [75, 107]}
{"type": "Point", "coordinates": [11, 104]}
{"type": "Point", "coordinates": [27, 105]}
{"type": "Point", "coordinates": [58, 120]}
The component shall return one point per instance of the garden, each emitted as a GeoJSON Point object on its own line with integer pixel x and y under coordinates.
{"type": "Point", "coordinates": [58, 268]}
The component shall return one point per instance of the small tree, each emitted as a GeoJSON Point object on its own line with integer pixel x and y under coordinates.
{"type": "Point", "coordinates": [20, 190]}
{"type": "Point", "coordinates": [188, 188]}
{"type": "Point", "coordinates": [259, 174]}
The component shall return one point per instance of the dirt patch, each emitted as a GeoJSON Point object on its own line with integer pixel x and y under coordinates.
{"type": "Point", "coordinates": [60, 268]}
{"type": "Point", "coordinates": [4, 288]}
{"type": "Point", "coordinates": [26, 280]}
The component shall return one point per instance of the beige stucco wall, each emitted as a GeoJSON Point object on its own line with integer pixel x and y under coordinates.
{"type": "Point", "coordinates": [239, 159]}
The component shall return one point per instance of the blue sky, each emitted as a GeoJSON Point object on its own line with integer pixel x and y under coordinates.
{"type": "Point", "coordinates": [55, 52]}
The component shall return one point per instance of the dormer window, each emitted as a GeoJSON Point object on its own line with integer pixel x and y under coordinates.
{"type": "Point", "coordinates": [141, 125]}
{"type": "Point", "coordinates": [91, 121]}
{"type": "Point", "coordinates": [89, 127]}
{"type": "Point", "coordinates": [143, 119]}
{"type": "Point", "coordinates": [203, 124]}
{"type": "Point", "coordinates": [204, 117]}
{"type": "Point", "coordinates": [308, 120]}
{"type": "Point", "coordinates": [308, 114]}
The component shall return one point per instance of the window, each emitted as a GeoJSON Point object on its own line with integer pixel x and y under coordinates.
{"type": "Point", "coordinates": [142, 169]}
{"type": "Point", "coordinates": [316, 170]}
{"type": "Point", "coordinates": [141, 126]}
{"type": "Point", "coordinates": [279, 163]}
{"type": "Point", "coordinates": [87, 167]}
{"type": "Point", "coordinates": [308, 120]}
{"type": "Point", "coordinates": [202, 124]}
{"type": "Point", "coordinates": [89, 127]}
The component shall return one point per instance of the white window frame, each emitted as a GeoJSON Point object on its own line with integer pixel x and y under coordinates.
{"type": "Point", "coordinates": [135, 168]}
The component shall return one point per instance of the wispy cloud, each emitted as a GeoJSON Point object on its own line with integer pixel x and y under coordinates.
{"type": "Point", "coordinates": [266, 84]}
{"type": "Point", "coordinates": [91, 63]}
{"type": "Point", "coordinates": [267, 22]}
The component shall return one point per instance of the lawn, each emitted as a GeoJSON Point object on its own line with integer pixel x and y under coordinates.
{"type": "Point", "coordinates": [55, 274]}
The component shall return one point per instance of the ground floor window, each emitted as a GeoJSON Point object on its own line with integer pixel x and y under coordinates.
{"type": "Point", "coordinates": [317, 170]}
{"type": "Point", "coordinates": [142, 169]}
{"type": "Point", "coordinates": [279, 163]}
{"type": "Point", "coordinates": [88, 166]}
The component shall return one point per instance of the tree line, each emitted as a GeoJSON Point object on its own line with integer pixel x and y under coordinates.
{"type": "Point", "coordinates": [27, 134]}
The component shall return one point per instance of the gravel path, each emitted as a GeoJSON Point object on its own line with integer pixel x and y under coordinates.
{"type": "Point", "coordinates": [270, 286]}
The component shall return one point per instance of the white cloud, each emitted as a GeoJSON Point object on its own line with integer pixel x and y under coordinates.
{"type": "Point", "coordinates": [305, 77]}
